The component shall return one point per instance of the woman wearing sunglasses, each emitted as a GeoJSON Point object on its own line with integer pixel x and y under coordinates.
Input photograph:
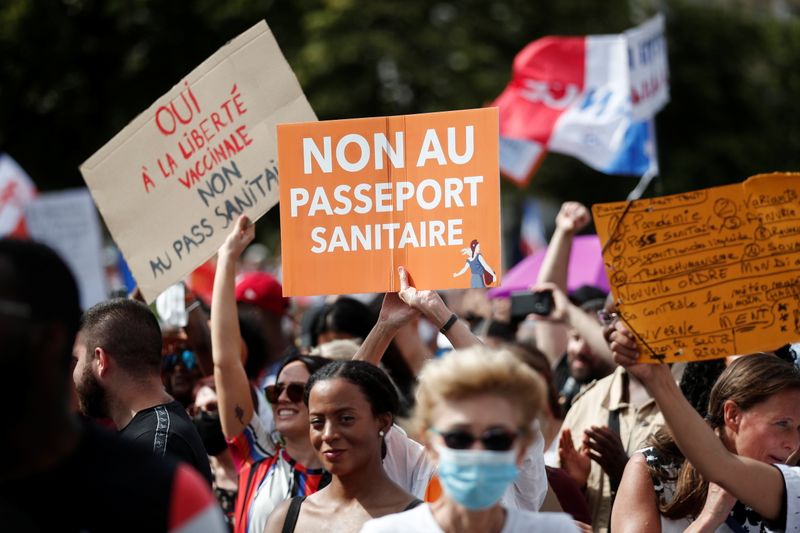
{"type": "Point", "coordinates": [271, 468]}
{"type": "Point", "coordinates": [351, 407]}
{"type": "Point", "coordinates": [475, 410]}
{"type": "Point", "coordinates": [407, 463]}
{"type": "Point", "coordinates": [180, 373]}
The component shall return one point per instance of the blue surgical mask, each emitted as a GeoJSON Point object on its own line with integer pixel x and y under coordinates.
{"type": "Point", "coordinates": [476, 479]}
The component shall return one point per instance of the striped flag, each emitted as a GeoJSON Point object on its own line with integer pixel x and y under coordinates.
{"type": "Point", "coordinates": [590, 97]}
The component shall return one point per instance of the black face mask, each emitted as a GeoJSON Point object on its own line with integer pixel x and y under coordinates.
{"type": "Point", "coordinates": [210, 429]}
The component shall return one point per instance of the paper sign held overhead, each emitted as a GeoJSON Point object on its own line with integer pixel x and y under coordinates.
{"type": "Point", "coordinates": [708, 273]}
{"type": "Point", "coordinates": [67, 222]}
{"type": "Point", "coordinates": [172, 182]}
{"type": "Point", "coordinates": [361, 197]}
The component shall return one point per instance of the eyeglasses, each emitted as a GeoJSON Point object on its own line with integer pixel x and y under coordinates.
{"type": "Point", "coordinates": [606, 318]}
{"type": "Point", "coordinates": [495, 439]}
{"type": "Point", "coordinates": [186, 358]}
{"type": "Point", "coordinates": [293, 390]}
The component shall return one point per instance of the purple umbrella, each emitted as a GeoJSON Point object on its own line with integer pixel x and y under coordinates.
{"type": "Point", "coordinates": [585, 268]}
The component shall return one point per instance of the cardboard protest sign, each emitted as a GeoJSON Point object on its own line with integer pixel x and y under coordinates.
{"type": "Point", "coordinates": [361, 197]}
{"type": "Point", "coordinates": [708, 273]}
{"type": "Point", "coordinates": [172, 182]}
{"type": "Point", "coordinates": [67, 222]}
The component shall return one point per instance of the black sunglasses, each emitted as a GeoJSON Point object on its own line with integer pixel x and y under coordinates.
{"type": "Point", "coordinates": [293, 390]}
{"type": "Point", "coordinates": [495, 439]}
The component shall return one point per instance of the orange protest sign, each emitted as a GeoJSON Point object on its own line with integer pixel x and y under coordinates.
{"type": "Point", "coordinates": [361, 197]}
{"type": "Point", "coordinates": [708, 273]}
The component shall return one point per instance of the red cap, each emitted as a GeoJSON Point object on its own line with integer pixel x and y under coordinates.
{"type": "Point", "coordinates": [261, 289]}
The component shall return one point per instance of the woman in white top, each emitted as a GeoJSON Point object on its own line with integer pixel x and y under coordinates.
{"type": "Point", "coordinates": [406, 462]}
{"type": "Point", "coordinates": [749, 409]}
{"type": "Point", "coordinates": [475, 410]}
{"type": "Point", "coordinates": [771, 490]}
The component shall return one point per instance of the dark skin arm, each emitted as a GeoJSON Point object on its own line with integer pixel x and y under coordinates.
{"type": "Point", "coordinates": [606, 449]}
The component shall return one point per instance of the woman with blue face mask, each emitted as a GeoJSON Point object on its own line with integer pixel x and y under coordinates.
{"type": "Point", "coordinates": [475, 411]}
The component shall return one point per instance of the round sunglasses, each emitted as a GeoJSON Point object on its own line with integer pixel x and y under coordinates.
{"type": "Point", "coordinates": [494, 439]}
{"type": "Point", "coordinates": [293, 390]}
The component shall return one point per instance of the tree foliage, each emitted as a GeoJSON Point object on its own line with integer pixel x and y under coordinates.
{"type": "Point", "coordinates": [74, 72]}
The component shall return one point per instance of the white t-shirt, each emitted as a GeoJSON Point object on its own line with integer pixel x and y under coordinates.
{"type": "Point", "coordinates": [407, 464]}
{"type": "Point", "coordinates": [420, 520]}
{"type": "Point", "coordinates": [791, 477]}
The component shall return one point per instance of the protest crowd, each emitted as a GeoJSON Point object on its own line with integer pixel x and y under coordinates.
{"type": "Point", "coordinates": [356, 414]}
{"type": "Point", "coordinates": [243, 396]}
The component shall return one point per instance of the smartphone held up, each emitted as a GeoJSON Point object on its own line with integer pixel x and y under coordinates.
{"type": "Point", "coordinates": [524, 303]}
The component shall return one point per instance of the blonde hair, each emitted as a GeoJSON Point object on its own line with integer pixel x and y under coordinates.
{"type": "Point", "coordinates": [475, 371]}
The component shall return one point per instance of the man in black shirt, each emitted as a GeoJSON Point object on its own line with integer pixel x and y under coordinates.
{"type": "Point", "coordinates": [118, 375]}
{"type": "Point", "coordinates": [61, 474]}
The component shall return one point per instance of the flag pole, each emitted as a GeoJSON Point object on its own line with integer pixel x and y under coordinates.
{"type": "Point", "coordinates": [652, 169]}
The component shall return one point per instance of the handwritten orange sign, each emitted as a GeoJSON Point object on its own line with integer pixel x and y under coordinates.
{"type": "Point", "coordinates": [708, 273]}
{"type": "Point", "coordinates": [361, 197]}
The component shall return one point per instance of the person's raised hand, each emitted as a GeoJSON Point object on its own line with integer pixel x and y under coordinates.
{"type": "Point", "coordinates": [572, 217]}
{"type": "Point", "coordinates": [239, 238]}
{"type": "Point", "coordinates": [394, 312]}
{"type": "Point", "coordinates": [606, 449]}
{"type": "Point", "coordinates": [626, 353]}
{"type": "Point", "coordinates": [623, 345]}
{"type": "Point", "coordinates": [425, 302]}
{"type": "Point", "coordinates": [561, 303]}
{"type": "Point", "coordinates": [717, 507]}
{"type": "Point", "coordinates": [575, 463]}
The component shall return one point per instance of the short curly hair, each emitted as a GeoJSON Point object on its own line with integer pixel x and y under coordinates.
{"type": "Point", "coordinates": [476, 371]}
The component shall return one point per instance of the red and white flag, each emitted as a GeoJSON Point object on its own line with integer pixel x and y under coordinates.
{"type": "Point", "coordinates": [590, 97]}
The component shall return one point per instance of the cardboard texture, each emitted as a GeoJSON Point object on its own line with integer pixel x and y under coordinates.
{"type": "Point", "coordinates": [708, 273]}
{"type": "Point", "coordinates": [171, 183]}
{"type": "Point", "coordinates": [361, 197]}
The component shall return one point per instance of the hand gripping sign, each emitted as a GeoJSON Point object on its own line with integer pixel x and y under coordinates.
{"type": "Point", "coordinates": [172, 182]}
{"type": "Point", "coordinates": [709, 273]}
{"type": "Point", "coordinates": [361, 197]}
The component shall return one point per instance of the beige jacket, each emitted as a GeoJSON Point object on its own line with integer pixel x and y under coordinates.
{"type": "Point", "coordinates": [591, 408]}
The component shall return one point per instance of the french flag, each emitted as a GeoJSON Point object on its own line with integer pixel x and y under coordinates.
{"type": "Point", "coordinates": [590, 97]}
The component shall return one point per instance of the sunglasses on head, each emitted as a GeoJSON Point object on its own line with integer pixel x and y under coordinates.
{"type": "Point", "coordinates": [495, 439]}
{"type": "Point", "coordinates": [186, 358]}
{"type": "Point", "coordinates": [293, 390]}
